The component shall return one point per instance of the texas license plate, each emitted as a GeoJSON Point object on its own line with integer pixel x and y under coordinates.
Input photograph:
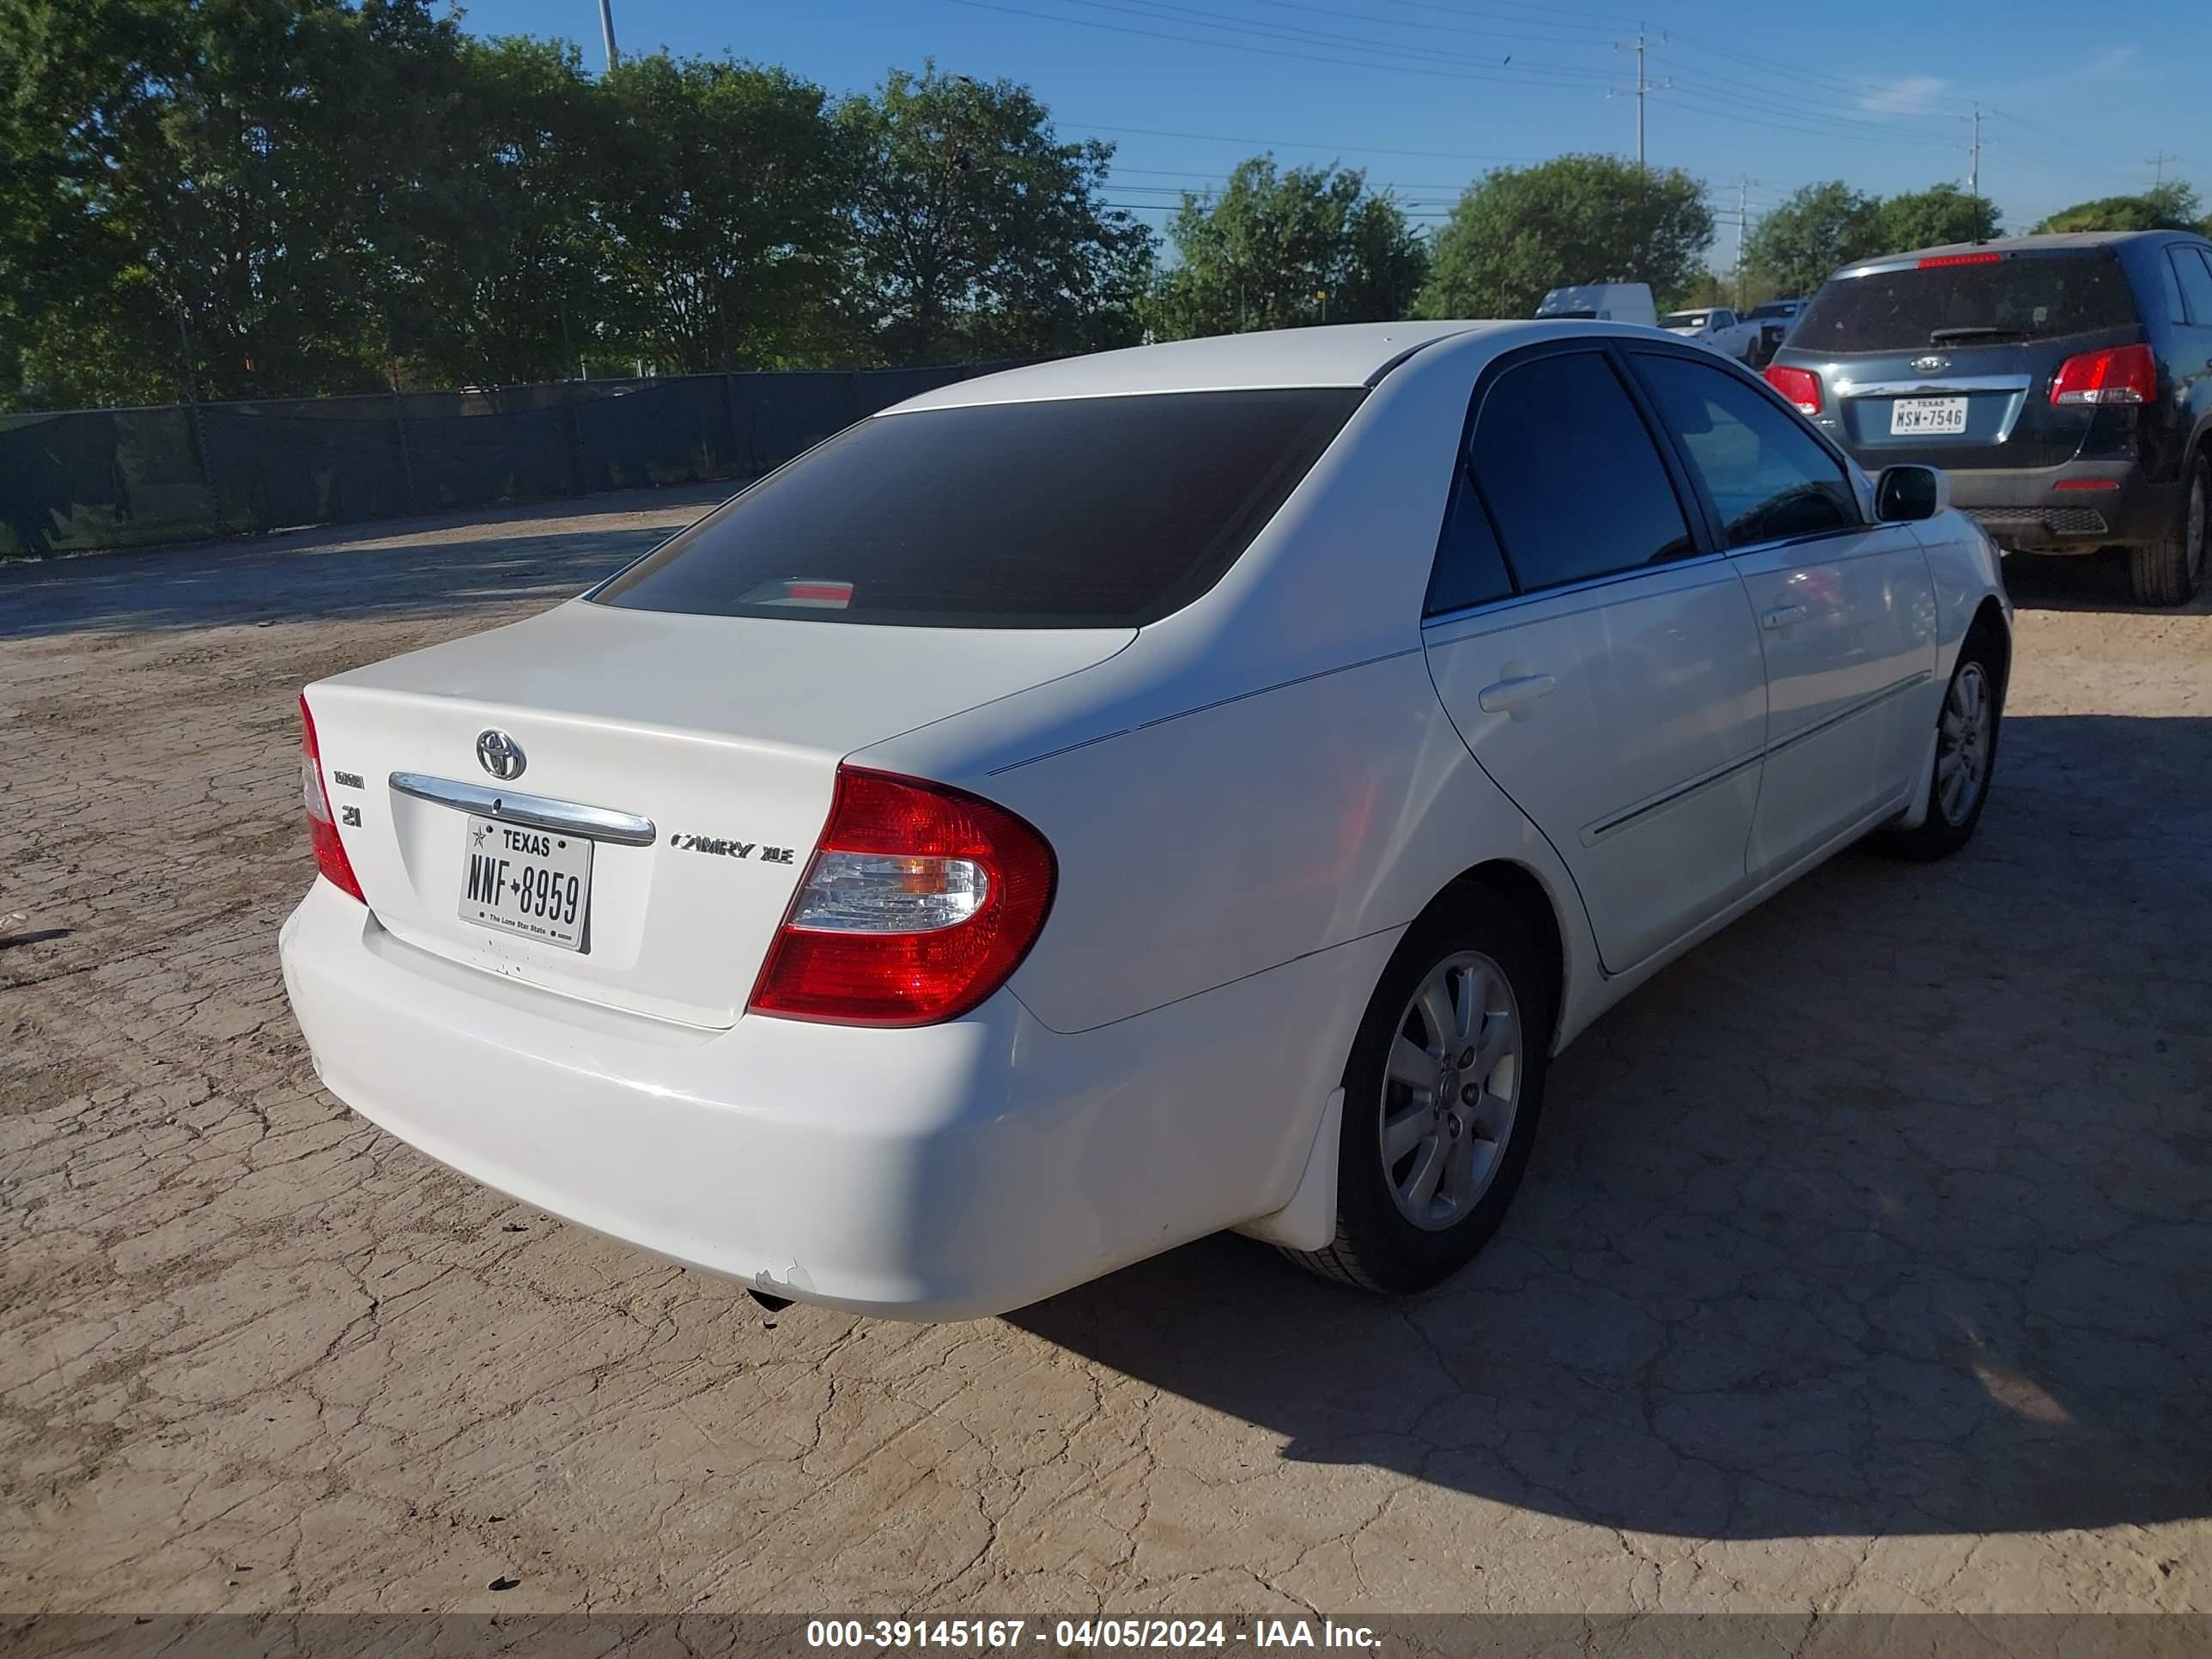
{"type": "Point", "coordinates": [526, 881]}
{"type": "Point", "coordinates": [1923, 416]}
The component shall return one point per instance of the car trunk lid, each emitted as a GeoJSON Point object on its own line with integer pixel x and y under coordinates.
{"type": "Point", "coordinates": [695, 754]}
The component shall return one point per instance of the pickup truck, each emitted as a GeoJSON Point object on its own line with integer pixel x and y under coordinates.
{"type": "Point", "coordinates": [1716, 327]}
{"type": "Point", "coordinates": [1774, 319]}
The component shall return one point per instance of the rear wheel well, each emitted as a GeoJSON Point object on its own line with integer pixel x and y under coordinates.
{"type": "Point", "coordinates": [1518, 886]}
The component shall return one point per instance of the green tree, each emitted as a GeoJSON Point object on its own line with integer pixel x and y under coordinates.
{"type": "Point", "coordinates": [497, 268]}
{"type": "Point", "coordinates": [1519, 232]}
{"type": "Point", "coordinates": [1818, 229]}
{"type": "Point", "coordinates": [722, 190]}
{"type": "Point", "coordinates": [221, 171]}
{"type": "Point", "coordinates": [1277, 250]}
{"type": "Point", "coordinates": [978, 232]}
{"type": "Point", "coordinates": [1933, 217]}
{"type": "Point", "coordinates": [2165, 207]}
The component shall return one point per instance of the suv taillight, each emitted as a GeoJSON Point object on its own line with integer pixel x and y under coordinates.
{"type": "Point", "coordinates": [2124, 374]}
{"type": "Point", "coordinates": [322, 825]}
{"type": "Point", "coordinates": [920, 902]}
{"type": "Point", "coordinates": [1801, 386]}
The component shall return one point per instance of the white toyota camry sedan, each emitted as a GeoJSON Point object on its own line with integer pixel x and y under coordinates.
{"type": "Point", "coordinates": [1092, 806]}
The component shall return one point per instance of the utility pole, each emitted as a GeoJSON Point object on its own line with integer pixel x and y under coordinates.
{"type": "Point", "coordinates": [1974, 155]}
{"type": "Point", "coordinates": [607, 29]}
{"type": "Point", "coordinates": [2158, 161]}
{"type": "Point", "coordinates": [1742, 213]}
{"type": "Point", "coordinates": [1644, 85]}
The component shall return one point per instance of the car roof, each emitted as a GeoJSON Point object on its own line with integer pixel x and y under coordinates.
{"type": "Point", "coordinates": [2051, 241]}
{"type": "Point", "coordinates": [1341, 355]}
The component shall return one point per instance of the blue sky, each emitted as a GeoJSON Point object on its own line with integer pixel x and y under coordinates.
{"type": "Point", "coordinates": [2078, 99]}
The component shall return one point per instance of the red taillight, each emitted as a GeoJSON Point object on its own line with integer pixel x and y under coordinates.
{"type": "Point", "coordinates": [1935, 262]}
{"type": "Point", "coordinates": [2124, 374]}
{"type": "Point", "coordinates": [2087, 484]}
{"type": "Point", "coordinates": [920, 902]}
{"type": "Point", "coordinates": [1801, 386]}
{"type": "Point", "coordinates": [322, 825]}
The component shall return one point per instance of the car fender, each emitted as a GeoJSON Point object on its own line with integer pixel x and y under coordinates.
{"type": "Point", "coordinates": [1964, 568]}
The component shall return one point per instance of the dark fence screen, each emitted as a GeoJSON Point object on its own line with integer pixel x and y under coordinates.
{"type": "Point", "coordinates": [93, 478]}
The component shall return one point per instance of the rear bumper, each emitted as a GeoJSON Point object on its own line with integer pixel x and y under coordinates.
{"type": "Point", "coordinates": [944, 1173]}
{"type": "Point", "coordinates": [2034, 510]}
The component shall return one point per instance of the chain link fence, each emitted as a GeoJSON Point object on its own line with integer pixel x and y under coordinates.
{"type": "Point", "coordinates": [79, 480]}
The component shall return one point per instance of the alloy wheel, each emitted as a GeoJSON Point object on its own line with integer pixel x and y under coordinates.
{"type": "Point", "coordinates": [1962, 743]}
{"type": "Point", "coordinates": [1450, 1090]}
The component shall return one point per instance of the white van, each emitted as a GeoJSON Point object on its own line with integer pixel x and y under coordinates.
{"type": "Point", "coordinates": [1609, 302]}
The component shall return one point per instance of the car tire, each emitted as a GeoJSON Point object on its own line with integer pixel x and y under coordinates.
{"type": "Point", "coordinates": [2168, 571]}
{"type": "Point", "coordinates": [1966, 728]}
{"type": "Point", "coordinates": [1468, 971]}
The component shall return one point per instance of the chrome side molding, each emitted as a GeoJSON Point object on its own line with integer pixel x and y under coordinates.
{"type": "Point", "coordinates": [536, 812]}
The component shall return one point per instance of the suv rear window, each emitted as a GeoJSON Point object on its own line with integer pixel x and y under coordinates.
{"type": "Point", "coordinates": [2030, 297]}
{"type": "Point", "coordinates": [1080, 513]}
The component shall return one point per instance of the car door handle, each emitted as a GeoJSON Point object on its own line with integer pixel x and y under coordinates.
{"type": "Point", "coordinates": [1506, 696]}
{"type": "Point", "coordinates": [1782, 614]}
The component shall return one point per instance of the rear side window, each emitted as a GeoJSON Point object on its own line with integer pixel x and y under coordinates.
{"type": "Point", "coordinates": [1469, 568]}
{"type": "Point", "coordinates": [1769, 477]}
{"type": "Point", "coordinates": [1083, 512]}
{"type": "Point", "coordinates": [2034, 297]}
{"type": "Point", "coordinates": [2189, 263]}
{"type": "Point", "coordinates": [1570, 475]}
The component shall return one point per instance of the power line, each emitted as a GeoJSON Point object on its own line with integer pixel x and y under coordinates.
{"type": "Point", "coordinates": [1434, 29]}
{"type": "Point", "coordinates": [1560, 74]}
{"type": "Point", "coordinates": [1590, 32]}
{"type": "Point", "coordinates": [1300, 143]}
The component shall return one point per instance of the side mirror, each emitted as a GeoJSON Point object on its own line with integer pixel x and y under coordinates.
{"type": "Point", "coordinates": [1903, 494]}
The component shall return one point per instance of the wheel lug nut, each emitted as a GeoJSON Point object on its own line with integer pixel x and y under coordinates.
{"type": "Point", "coordinates": [1467, 1095]}
{"type": "Point", "coordinates": [1466, 1060]}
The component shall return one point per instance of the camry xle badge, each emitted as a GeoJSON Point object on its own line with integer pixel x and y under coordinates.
{"type": "Point", "coordinates": [500, 754]}
{"type": "Point", "coordinates": [721, 847]}
{"type": "Point", "coordinates": [1931, 364]}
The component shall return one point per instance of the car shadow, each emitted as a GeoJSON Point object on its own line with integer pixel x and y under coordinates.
{"type": "Point", "coordinates": [2086, 582]}
{"type": "Point", "coordinates": [416, 568]}
{"type": "Point", "coordinates": [1888, 1210]}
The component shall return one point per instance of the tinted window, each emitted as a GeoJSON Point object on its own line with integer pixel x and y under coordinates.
{"type": "Point", "coordinates": [1469, 570]}
{"type": "Point", "coordinates": [2034, 297]}
{"type": "Point", "coordinates": [2195, 283]}
{"type": "Point", "coordinates": [1572, 477]}
{"type": "Point", "coordinates": [1769, 477]}
{"type": "Point", "coordinates": [1093, 512]}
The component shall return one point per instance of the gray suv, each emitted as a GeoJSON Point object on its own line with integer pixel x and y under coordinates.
{"type": "Point", "coordinates": [2063, 382]}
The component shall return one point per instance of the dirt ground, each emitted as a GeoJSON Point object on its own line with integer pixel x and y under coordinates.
{"type": "Point", "coordinates": [1866, 1263]}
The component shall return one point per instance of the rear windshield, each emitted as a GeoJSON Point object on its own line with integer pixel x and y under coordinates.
{"type": "Point", "coordinates": [1778, 309]}
{"type": "Point", "coordinates": [1085, 512]}
{"type": "Point", "coordinates": [1683, 320]}
{"type": "Point", "coordinates": [2032, 297]}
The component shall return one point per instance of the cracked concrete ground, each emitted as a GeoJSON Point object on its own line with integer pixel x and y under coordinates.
{"type": "Point", "coordinates": [1866, 1263]}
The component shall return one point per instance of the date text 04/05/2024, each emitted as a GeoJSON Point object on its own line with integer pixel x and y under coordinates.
{"type": "Point", "coordinates": [1007, 1635]}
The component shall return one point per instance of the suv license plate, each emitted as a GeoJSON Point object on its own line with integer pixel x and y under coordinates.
{"type": "Point", "coordinates": [1920, 416]}
{"type": "Point", "coordinates": [526, 881]}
